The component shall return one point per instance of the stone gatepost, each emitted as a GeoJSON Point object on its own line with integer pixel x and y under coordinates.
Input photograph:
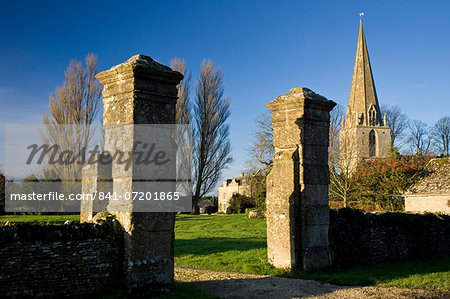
{"type": "Point", "coordinates": [97, 178]}
{"type": "Point", "coordinates": [297, 186]}
{"type": "Point", "coordinates": [140, 91]}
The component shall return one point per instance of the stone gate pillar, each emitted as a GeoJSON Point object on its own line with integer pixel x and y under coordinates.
{"type": "Point", "coordinates": [96, 178]}
{"type": "Point", "coordinates": [140, 91]}
{"type": "Point", "coordinates": [297, 186]}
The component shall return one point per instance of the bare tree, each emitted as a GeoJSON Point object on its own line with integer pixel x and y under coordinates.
{"type": "Point", "coordinates": [339, 159]}
{"type": "Point", "coordinates": [335, 126]}
{"type": "Point", "coordinates": [261, 150]}
{"type": "Point", "coordinates": [183, 133]}
{"type": "Point", "coordinates": [441, 132]}
{"type": "Point", "coordinates": [419, 137]}
{"type": "Point", "coordinates": [397, 121]}
{"type": "Point", "coordinates": [75, 104]}
{"type": "Point", "coordinates": [212, 148]}
{"type": "Point", "coordinates": [183, 105]}
{"type": "Point", "coordinates": [342, 169]}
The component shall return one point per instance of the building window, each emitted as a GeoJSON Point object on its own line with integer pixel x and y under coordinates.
{"type": "Point", "coordinates": [372, 116]}
{"type": "Point", "coordinates": [372, 144]}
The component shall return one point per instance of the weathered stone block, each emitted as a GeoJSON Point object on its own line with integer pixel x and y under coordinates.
{"type": "Point", "coordinates": [315, 135]}
{"type": "Point", "coordinates": [257, 214]}
{"type": "Point", "coordinates": [316, 215]}
{"type": "Point", "coordinates": [297, 186]}
{"type": "Point", "coordinates": [315, 235]}
{"type": "Point", "coordinates": [314, 154]}
{"type": "Point", "coordinates": [96, 178]}
{"type": "Point", "coordinates": [154, 221]}
{"type": "Point", "coordinates": [316, 257]}
{"type": "Point", "coordinates": [314, 195]}
{"type": "Point", "coordinates": [315, 174]}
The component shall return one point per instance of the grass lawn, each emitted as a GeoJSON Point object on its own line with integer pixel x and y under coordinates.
{"type": "Point", "coordinates": [236, 243]}
{"type": "Point", "coordinates": [223, 243]}
{"type": "Point", "coordinates": [429, 274]}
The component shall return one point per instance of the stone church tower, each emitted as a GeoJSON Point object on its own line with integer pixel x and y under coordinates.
{"type": "Point", "coordinates": [364, 133]}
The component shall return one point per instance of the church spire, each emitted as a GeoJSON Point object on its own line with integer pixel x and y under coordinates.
{"type": "Point", "coordinates": [363, 107]}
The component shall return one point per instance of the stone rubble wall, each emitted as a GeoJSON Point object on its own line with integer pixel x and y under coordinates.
{"type": "Point", "coordinates": [52, 261]}
{"type": "Point", "coordinates": [358, 238]}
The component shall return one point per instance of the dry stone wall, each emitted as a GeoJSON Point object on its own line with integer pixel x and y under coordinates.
{"type": "Point", "coordinates": [54, 261]}
{"type": "Point", "coordinates": [358, 238]}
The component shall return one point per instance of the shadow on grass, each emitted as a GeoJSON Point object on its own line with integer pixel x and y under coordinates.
{"type": "Point", "coordinates": [201, 246]}
{"type": "Point", "coordinates": [193, 217]}
{"type": "Point", "coordinates": [425, 274]}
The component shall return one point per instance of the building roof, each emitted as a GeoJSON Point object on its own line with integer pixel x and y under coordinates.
{"type": "Point", "coordinates": [436, 179]}
{"type": "Point", "coordinates": [205, 203]}
{"type": "Point", "coordinates": [362, 93]}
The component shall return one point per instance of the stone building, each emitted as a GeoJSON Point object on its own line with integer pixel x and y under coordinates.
{"type": "Point", "coordinates": [432, 192]}
{"type": "Point", "coordinates": [364, 132]}
{"type": "Point", "coordinates": [206, 204]}
{"type": "Point", "coordinates": [238, 185]}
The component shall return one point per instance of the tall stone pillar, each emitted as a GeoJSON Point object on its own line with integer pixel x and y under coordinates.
{"type": "Point", "coordinates": [297, 186]}
{"type": "Point", "coordinates": [140, 91]}
{"type": "Point", "coordinates": [96, 178]}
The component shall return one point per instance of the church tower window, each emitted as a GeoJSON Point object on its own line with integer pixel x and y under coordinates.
{"type": "Point", "coordinates": [372, 116]}
{"type": "Point", "coordinates": [372, 144]}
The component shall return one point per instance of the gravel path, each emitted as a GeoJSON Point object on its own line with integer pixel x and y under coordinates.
{"type": "Point", "coordinates": [237, 285]}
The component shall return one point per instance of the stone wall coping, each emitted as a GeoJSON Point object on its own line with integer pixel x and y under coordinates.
{"type": "Point", "coordinates": [31, 232]}
{"type": "Point", "coordinates": [299, 95]}
{"type": "Point", "coordinates": [143, 65]}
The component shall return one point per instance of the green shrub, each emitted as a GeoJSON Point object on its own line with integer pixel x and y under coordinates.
{"type": "Point", "coordinates": [229, 211]}
{"type": "Point", "coordinates": [238, 203]}
{"type": "Point", "coordinates": [210, 209]}
{"type": "Point", "coordinates": [260, 199]}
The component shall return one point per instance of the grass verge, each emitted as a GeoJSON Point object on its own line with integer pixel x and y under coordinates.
{"type": "Point", "coordinates": [427, 274]}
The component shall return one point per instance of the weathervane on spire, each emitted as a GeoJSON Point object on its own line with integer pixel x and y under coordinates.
{"type": "Point", "coordinates": [361, 15]}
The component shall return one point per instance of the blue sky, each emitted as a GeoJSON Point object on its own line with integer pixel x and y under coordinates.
{"type": "Point", "coordinates": [265, 48]}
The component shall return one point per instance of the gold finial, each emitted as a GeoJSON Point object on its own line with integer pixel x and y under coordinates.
{"type": "Point", "coordinates": [361, 15]}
